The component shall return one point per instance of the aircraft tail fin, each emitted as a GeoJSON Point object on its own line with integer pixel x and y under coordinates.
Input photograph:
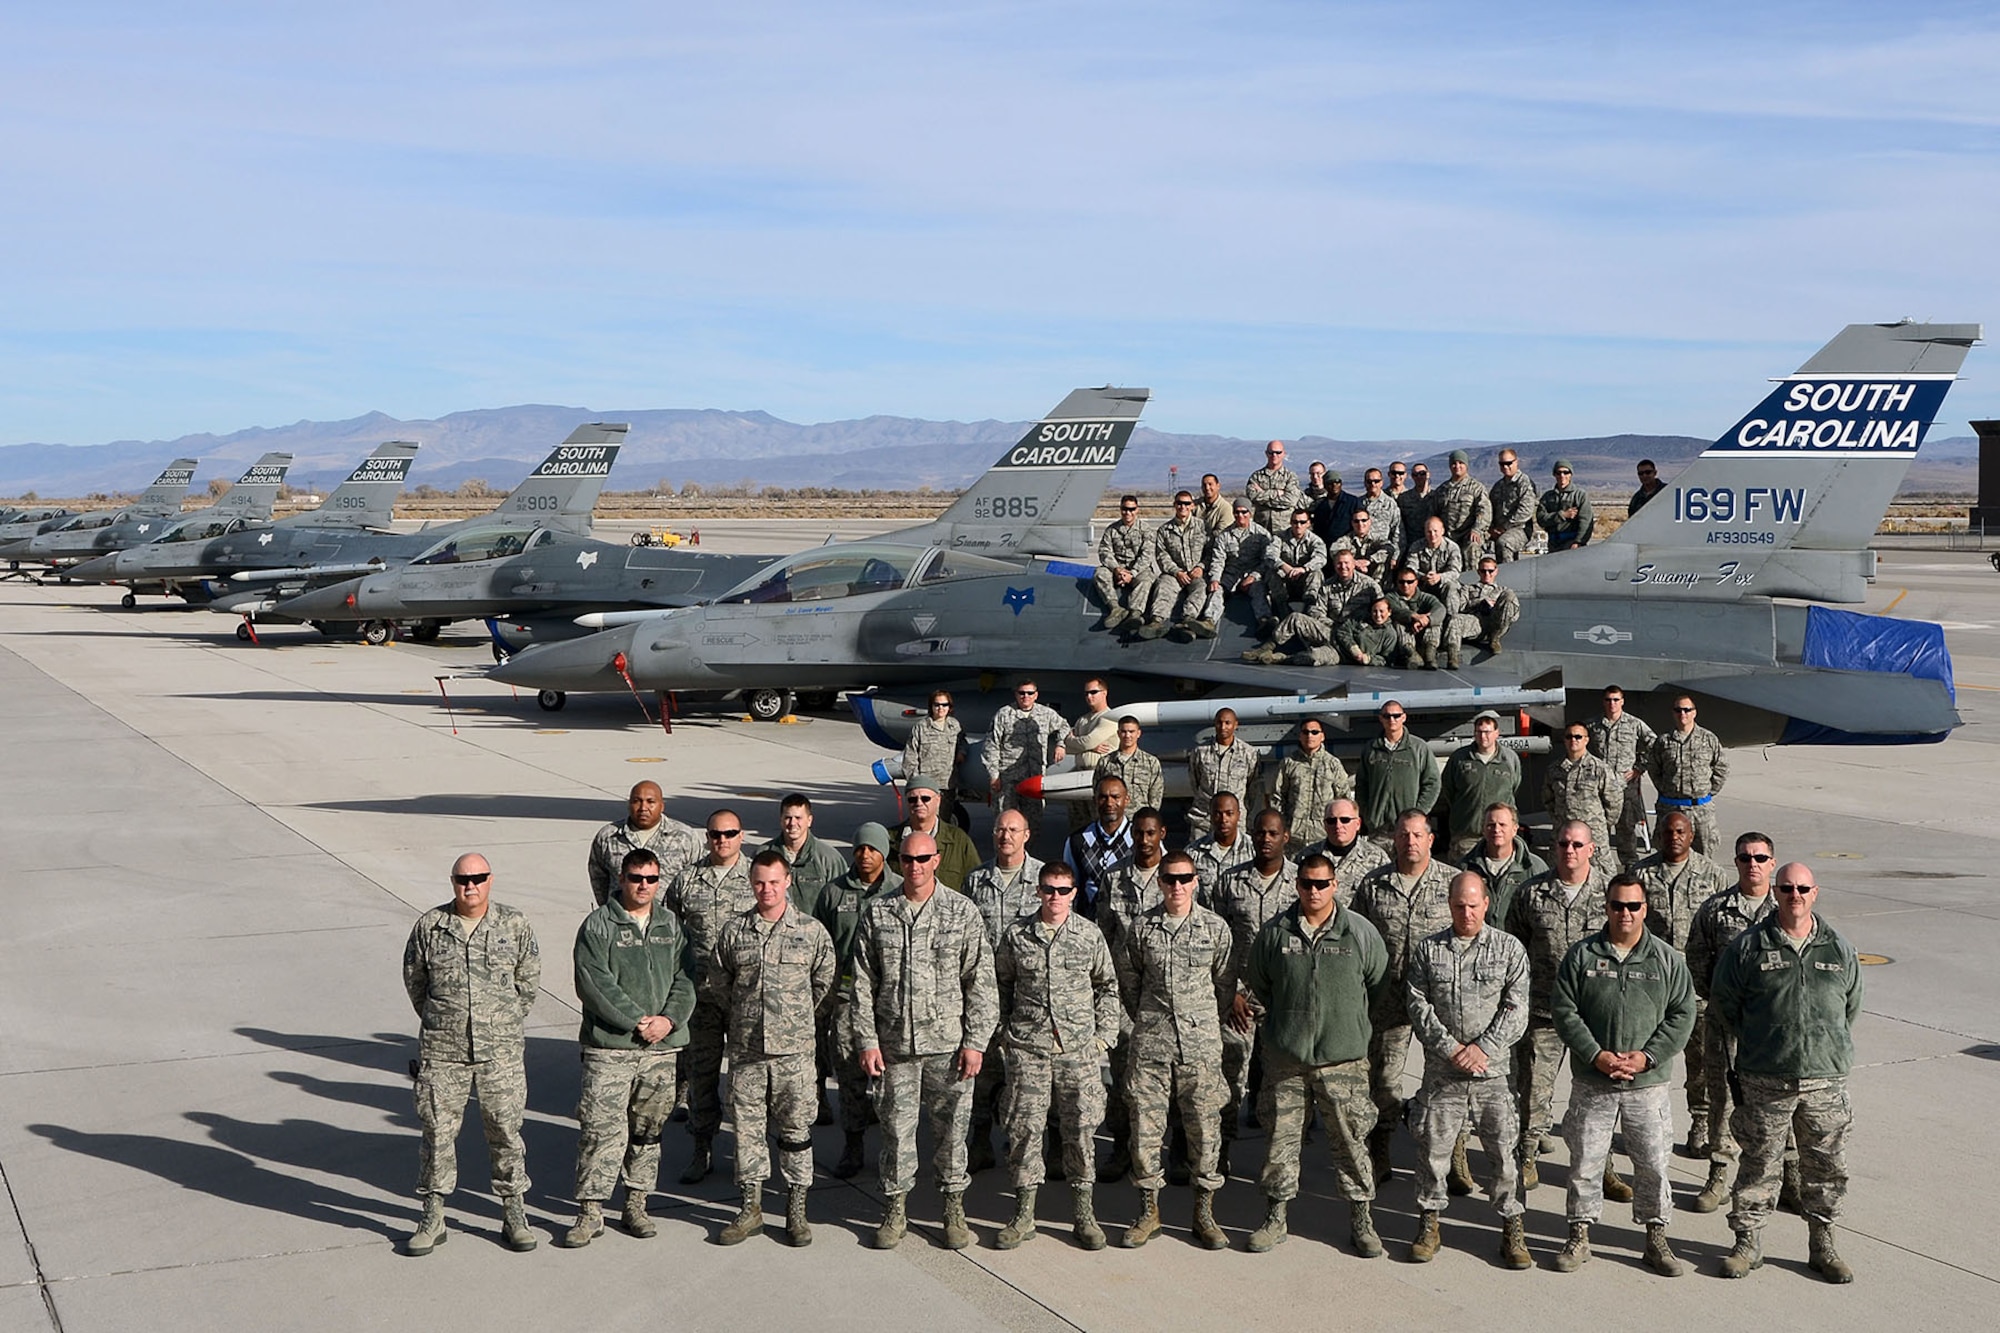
{"type": "Point", "coordinates": [164, 496]}
{"type": "Point", "coordinates": [367, 498]}
{"type": "Point", "coordinates": [563, 491]}
{"type": "Point", "coordinates": [256, 491]}
{"type": "Point", "coordinates": [1039, 497]}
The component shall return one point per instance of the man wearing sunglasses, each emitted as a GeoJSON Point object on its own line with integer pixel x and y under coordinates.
{"type": "Point", "coordinates": [1688, 766]}
{"type": "Point", "coordinates": [923, 797]}
{"type": "Point", "coordinates": [704, 896]}
{"type": "Point", "coordinates": [1180, 583]}
{"type": "Point", "coordinates": [1397, 773]}
{"type": "Point", "coordinates": [1308, 779]}
{"type": "Point", "coordinates": [1124, 577]}
{"type": "Point", "coordinates": [1579, 785]}
{"type": "Point", "coordinates": [1789, 989]}
{"type": "Point", "coordinates": [1273, 490]}
{"type": "Point", "coordinates": [1236, 567]}
{"type": "Point", "coordinates": [1059, 1014]}
{"type": "Point", "coordinates": [1717, 923]}
{"type": "Point", "coordinates": [1352, 854]}
{"type": "Point", "coordinates": [472, 970]}
{"type": "Point", "coordinates": [921, 1007]}
{"type": "Point", "coordinates": [1650, 485]}
{"type": "Point", "coordinates": [1294, 569]}
{"type": "Point", "coordinates": [1564, 510]}
{"type": "Point", "coordinates": [1385, 513]}
{"type": "Point", "coordinates": [1025, 739]}
{"type": "Point", "coordinates": [1513, 500]}
{"type": "Point", "coordinates": [1003, 889]}
{"type": "Point", "coordinates": [1624, 1005]}
{"type": "Point", "coordinates": [633, 983]}
{"type": "Point", "coordinates": [1625, 742]}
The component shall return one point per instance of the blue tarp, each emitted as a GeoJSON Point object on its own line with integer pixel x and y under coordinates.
{"type": "Point", "coordinates": [1850, 641]}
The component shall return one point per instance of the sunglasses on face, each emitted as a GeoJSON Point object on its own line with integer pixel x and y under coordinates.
{"type": "Point", "coordinates": [725, 833]}
{"type": "Point", "coordinates": [1055, 890]}
{"type": "Point", "coordinates": [1315, 885]}
{"type": "Point", "coordinates": [1166, 878]}
{"type": "Point", "coordinates": [466, 881]}
{"type": "Point", "coordinates": [916, 858]}
{"type": "Point", "coordinates": [1343, 819]}
{"type": "Point", "coordinates": [642, 879]}
{"type": "Point", "coordinates": [1756, 858]}
{"type": "Point", "coordinates": [1392, 717]}
{"type": "Point", "coordinates": [1572, 844]}
{"type": "Point", "coordinates": [1624, 907]}
{"type": "Point", "coordinates": [1797, 890]}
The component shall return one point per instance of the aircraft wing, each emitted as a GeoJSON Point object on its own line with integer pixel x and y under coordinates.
{"type": "Point", "coordinates": [1831, 707]}
{"type": "Point", "coordinates": [1318, 681]}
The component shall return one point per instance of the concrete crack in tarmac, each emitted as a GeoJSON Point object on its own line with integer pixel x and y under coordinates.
{"type": "Point", "coordinates": [34, 1260]}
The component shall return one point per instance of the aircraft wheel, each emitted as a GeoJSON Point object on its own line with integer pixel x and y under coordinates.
{"type": "Point", "coordinates": [1995, 560]}
{"type": "Point", "coordinates": [63, 579]}
{"type": "Point", "coordinates": [552, 701]}
{"type": "Point", "coordinates": [818, 701]}
{"type": "Point", "coordinates": [426, 631]}
{"type": "Point", "coordinates": [128, 601]}
{"type": "Point", "coordinates": [378, 632]}
{"type": "Point", "coordinates": [769, 705]}
{"type": "Point", "coordinates": [242, 632]}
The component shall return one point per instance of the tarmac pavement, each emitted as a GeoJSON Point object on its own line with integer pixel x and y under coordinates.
{"type": "Point", "coordinates": [214, 852]}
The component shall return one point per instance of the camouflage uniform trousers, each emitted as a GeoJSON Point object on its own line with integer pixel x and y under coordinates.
{"type": "Point", "coordinates": [837, 1052]}
{"type": "Point", "coordinates": [1282, 592]}
{"type": "Point", "coordinates": [1168, 596]}
{"type": "Point", "coordinates": [702, 1072]}
{"type": "Point", "coordinates": [1132, 597]}
{"type": "Point", "coordinates": [1706, 840]}
{"type": "Point", "coordinates": [1631, 815]}
{"type": "Point", "coordinates": [1313, 631]}
{"type": "Point", "coordinates": [1239, 1058]}
{"type": "Point", "coordinates": [1508, 545]}
{"type": "Point", "coordinates": [1066, 1088]}
{"type": "Point", "coordinates": [1718, 1056]}
{"type": "Point", "coordinates": [1538, 1057]}
{"type": "Point", "coordinates": [626, 1099]}
{"type": "Point", "coordinates": [502, 1088]}
{"type": "Point", "coordinates": [1340, 1091]}
{"type": "Point", "coordinates": [771, 1097]}
{"type": "Point", "coordinates": [1154, 1086]}
{"type": "Point", "coordinates": [927, 1083]}
{"type": "Point", "coordinates": [1817, 1113]}
{"type": "Point", "coordinates": [1646, 1116]}
{"type": "Point", "coordinates": [1444, 1109]}
{"type": "Point", "coordinates": [1388, 1052]}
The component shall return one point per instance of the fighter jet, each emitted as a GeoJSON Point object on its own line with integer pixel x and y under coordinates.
{"type": "Point", "coordinates": [1042, 506]}
{"type": "Point", "coordinates": [160, 500]}
{"type": "Point", "coordinates": [173, 561]}
{"type": "Point", "coordinates": [251, 498]}
{"type": "Point", "coordinates": [1683, 596]}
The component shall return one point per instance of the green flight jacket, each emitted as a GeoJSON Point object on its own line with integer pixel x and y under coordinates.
{"type": "Point", "coordinates": [1644, 1003]}
{"type": "Point", "coordinates": [624, 974]}
{"type": "Point", "coordinates": [1392, 780]}
{"type": "Point", "coordinates": [1318, 989]}
{"type": "Point", "coordinates": [1792, 1010]}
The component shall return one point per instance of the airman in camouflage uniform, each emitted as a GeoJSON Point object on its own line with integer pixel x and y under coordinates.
{"type": "Point", "coordinates": [633, 982]}
{"type": "Point", "coordinates": [1386, 514]}
{"type": "Point", "coordinates": [1486, 610]}
{"type": "Point", "coordinates": [1246, 896]}
{"type": "Point", "coordinates": [1124, 578]}
{"type": "Point", "coordinates": [1126, 892]}
{"type": "Point", "coordinates": [1549, 915]}
{"type": "Point", "coordinates": [1350, 854]}
{"type": "Point", "coordinates": [1419, 619]}
{"type": "Point", "coordinates": [921, 1006]}
{"type": "Point", "coordinates": [1513, 501]}
{"type": "Point", "coordinates": [1503, 859]}
{"type": "Point", "coordinates": [647, 826]}
{"type": "Point", "coordinates": [1437, 562]}
{"type": "Point", "coordinates": [1625, 743]}
{"type": "Point", "coordinates": [1145, 782]}
{"type": "Point", "coordinates": [1373, 556]}
{"type": "Point", "coordinates": [703, 896]}
{"type": "Point", "coordinates": [1174, 978]}
{"type": "Point", "coordinates": [1343, 598]}
{"type": "Point", "coordinates": [1405, 900]}
{"type": "Point", "coordinates": [1025, 740]}
{"type": "Point", "coordinates": [1581, 786]}
{"type": "Point", "coordinates": [1688, 766]}
{"type": "Point", "coordinates": [1224, 845]}
{"type": "Point", "coordinates": [1464, 506]}
{"type": "Point", "coordinates": [1274, 490]}
{"type": "Point", "coordinates": [1466, 989]}
{"type": "Point", "coordinates": [1717, 922]}
{"type": "Point", "coordinates": [1308, 780]}
{"type": "Point", "coordinates": [1221, 764]}
{"type": "Point", "coordinates": [1294, 568]}
{"type": "Point", "coordinates": [1417, 503]}
{"type": "Point", "coordinates": [1317, 971]}
{"type": "Point", "coordinates": [1375, 641]}
{"type": "Point", "coordinates": [1678, 881]}
{"type": "Point", "coordinates": [1789, 989]}
{"type": "Point", "coordinates": [772, 973]}
{"type": "Point", "coordinates": [471, 969]}
{"type": "Point", "coordinates": [839, 910]}
{"type": "Point", "coordinates": [1564, 511]}
{"type": "Point", "coordinates": [1003, 889]}
{"type": "Point", "coordinates": [1475, 778]}
{"type": "Point", "coordinates": [1059, 1013]}
{"type": "Point", "coordinates": [937, 743]}
{"type": "Point", "coordinates": [1180, 582]}
{"type": "Point", "coordinates": [1236, 567]}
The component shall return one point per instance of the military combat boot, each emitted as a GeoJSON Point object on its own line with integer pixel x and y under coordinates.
{"type": "Point", "coordinates": [1514, 1245]}
{"type": "Point", "coordinates": [430, 1232]}
{"type": "Point", "coordinates": [957, 1235]}
{"type": "Point", "coordinates": [1115, 617]}
{"type": "Point", "coordinates": [1378, 1152]}
{"type": "Point", "coordinates": [749, 1219]}
{"type": "Point", "coordinates": [798, 1231]}
{"type": "Point", "coordinates": [1460, 1182]}
{"type": "Point", "coordinates": [1493, 642]}
{"type": "Point", "coordinates": [1425, 1247]}
{"type": "Point", "coordinates": [895, 1222]}
{"type": "Point", "coordinates": [1206, 1233]}
{"type": "Point", "coordinates": [1118, 1165]}
{"type": "Point", "coordinates": [1204, 628]}
{"type": "Point", "coordinates": [698, 1164]}
{"type": "Point", "coordinates": [589, 1225]}
{"type": "Point", "coordinates": [1531, 1175]}
{"type": "Point", "coordinates": [1148, 1225]}
{"type": "Point", "coordinates": [979, 1155]}
{"type": "Point", "coordinates": [1154, 629]}
{"type": "Point", "coordinates": [1272, 1233]}
{"type": "Point", "coordinates": [1659, 1256]}
{"type": "Point", "coordinates": [1575, 1252]}
{"type": "Point", "coordinates": [1697, 1144]}
{"type": "Point", "coordinates": [514, 1225]}
{"type": "Point", "coordinates": [1822, 1257]}
{"type": "Point", "coordinates": [1788, 1189]}
{"type": "Point", "coordinates": [1427, 657]}
{"type": "Point", "coordinates": [1714, 1193]}
{"type": "Point", "coordinates": [1615, 1188]}
{"type": "Point", "coordinates": [635, 1220]}
{"type": "Point", "coordinates": [1361, 1229]}
{"type": "Point", "coordinates": [1022, 1229]}
{"type": "Point", "coordinates": [1748, 1254]}
{"type": "Point", "coordinates": [849, 1165]}
{"type": "Point", "coordinates": [1083, 1218]}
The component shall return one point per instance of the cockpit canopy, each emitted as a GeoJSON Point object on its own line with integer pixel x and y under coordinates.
{"type": "Point", "coordinates": [200, 530]}
{"type": "Point", "coordinates": [484, 544]}
{"type": "Point", "coordinates": [857, 568]}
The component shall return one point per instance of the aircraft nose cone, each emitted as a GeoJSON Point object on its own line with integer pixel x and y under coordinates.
{"type": "Point", "coordinates": [328, 603]}
{"type": "Point", "coordinates": [101, 569]}
{"type": "Point", "coordinates": [575, 664]}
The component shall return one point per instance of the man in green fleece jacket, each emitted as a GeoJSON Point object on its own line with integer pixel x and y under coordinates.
{"type": "Point", "coordinates": [633, 980]}
{"type": "Point", "coordinates": [1623, 1004]}
{"type": "Point", "coordinates": [1788, 990]}
{"type": "Point", "coordinates": [1317, 970]}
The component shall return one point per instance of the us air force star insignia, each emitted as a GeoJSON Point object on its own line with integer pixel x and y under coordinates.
{"type": "Point", "coordinates": [585, 559]}
{"type": "Point", "coordinates": [145, 528]}
{"type": "Point", "coordinates": [1603, 635]}
{"type": "Point", "coordinates": [264, 538]}
{"type": "Point", "coordinates": [1019, 598]}
{"type": "Point", "coordinates": [923, 625]}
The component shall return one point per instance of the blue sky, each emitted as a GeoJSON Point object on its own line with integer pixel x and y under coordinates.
{"type": "Point", "coordinates": [1412, 220]}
